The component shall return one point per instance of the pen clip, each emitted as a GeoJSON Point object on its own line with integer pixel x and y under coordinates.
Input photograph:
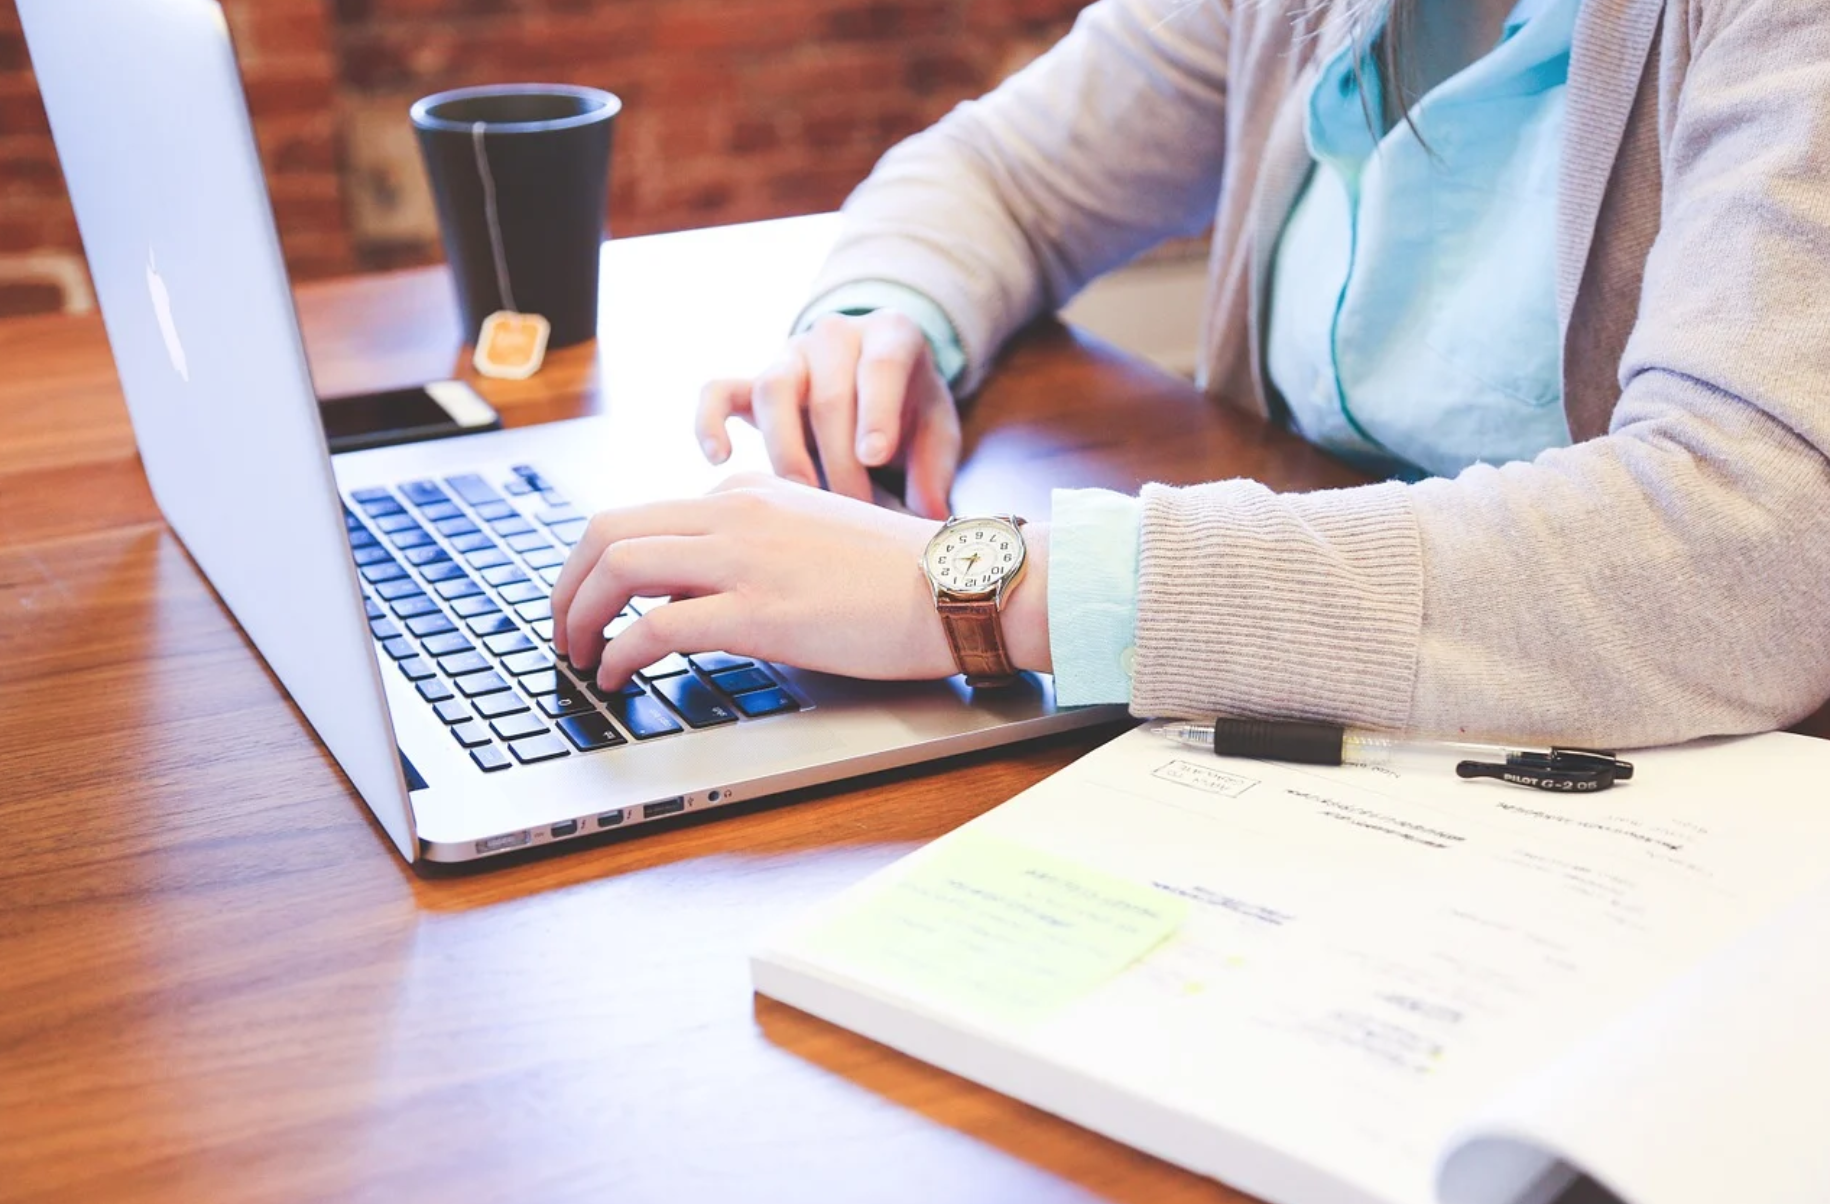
{"type": "Point", "coordinates": [1559, 771]}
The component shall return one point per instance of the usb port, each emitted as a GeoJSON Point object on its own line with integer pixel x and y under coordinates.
{"type": "Point", "coordinates": [568, 828]}
{"type": "Point", "coordinates": [610, 819]}
{"type": "Point", "coordinates": [672, 806]}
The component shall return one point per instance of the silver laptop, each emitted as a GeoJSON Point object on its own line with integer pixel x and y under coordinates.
{"type": "Point", "coordinates": [400, 594]}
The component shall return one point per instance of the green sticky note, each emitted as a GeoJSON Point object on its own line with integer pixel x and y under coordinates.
{"type": "Point", "coordinates": [996, 930]}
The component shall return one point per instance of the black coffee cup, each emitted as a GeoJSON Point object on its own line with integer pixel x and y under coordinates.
{"type": "Point", "coordinates": [521, 177]}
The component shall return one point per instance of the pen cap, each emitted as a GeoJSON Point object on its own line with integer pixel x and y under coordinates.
{"type": "Point", "coordinates": [1273, 740]}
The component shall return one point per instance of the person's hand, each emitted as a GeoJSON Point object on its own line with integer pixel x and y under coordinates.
{"type": "Point", "coordinates": [867, 390]}
{"type": "Point", "coordinates": [765, 568]}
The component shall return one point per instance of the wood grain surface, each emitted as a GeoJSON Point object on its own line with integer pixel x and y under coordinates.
{"type": "Point", "coordinates": [217, 982]}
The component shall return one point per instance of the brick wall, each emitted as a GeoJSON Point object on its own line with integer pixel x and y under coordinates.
{"type": "Point", "coordinates": [735, 110]}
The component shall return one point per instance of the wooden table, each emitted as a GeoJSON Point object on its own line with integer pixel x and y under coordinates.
{"type": "Point", "coordinates": [217, 982]}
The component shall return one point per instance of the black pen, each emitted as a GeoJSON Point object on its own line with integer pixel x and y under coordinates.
{"type": "Point", "coordinates": [1560, 770]}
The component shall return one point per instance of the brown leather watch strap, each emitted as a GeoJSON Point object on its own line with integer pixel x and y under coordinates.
{"type": "Point", "coordinates": [977, 640]}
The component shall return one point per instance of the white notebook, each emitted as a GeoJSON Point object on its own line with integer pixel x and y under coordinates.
{"type": "Point", "coordinates": [1372, 986]}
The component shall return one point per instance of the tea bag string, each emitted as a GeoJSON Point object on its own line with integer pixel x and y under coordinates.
{"type": "Point", "coordinates": [491, 217]}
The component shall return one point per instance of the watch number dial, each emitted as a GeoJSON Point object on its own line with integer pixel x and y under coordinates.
{"type": "Point", "coordinates": [974, 557]}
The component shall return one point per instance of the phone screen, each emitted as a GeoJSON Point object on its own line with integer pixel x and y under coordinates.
{"type": "Point", "coordinates": [405, 416]}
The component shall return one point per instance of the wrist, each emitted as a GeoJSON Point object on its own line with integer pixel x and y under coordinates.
{"type": "Point", "coordinates": [1025, 615]}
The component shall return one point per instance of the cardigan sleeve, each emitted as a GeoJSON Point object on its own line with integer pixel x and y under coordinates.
{"type": "Point", "coordinates": [1668, 580]}
{"type": "Point", "coordinates": [1109, 143]}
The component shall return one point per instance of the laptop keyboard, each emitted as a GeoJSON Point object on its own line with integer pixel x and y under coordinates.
{"type": "Point", "coordinates": [456, 577]}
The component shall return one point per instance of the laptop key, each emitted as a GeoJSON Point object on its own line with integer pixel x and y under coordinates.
{"type": "Point", "coordinates": [438, 512]}
{"type": "Point", "coordinates": [359, 537]}
{"type": "Point", "coordinates": [490, 758]}
{"type": "Point", "coordinates": [444, 570]}
{"type": "Point", "coordinates": [383, 629]}
{"type": "Point", "coordinates": [447, 644]}
{"type": "Point", "coordinates": [544, 629]}
{"type": "Point", "coordinates": [551, 576]}
{"type": "Point", "coordinates": [544, 558]}
{"type": "Point", "coordinates": [416, 668]}
{"type": "Point", "coordinates": [372, 608]}
{"type": "Point", "coordinates": [522, 663]}
{"type": "Point", "coordinates": [511, 524]}
{"type": "Point", "coordinates": [390, 591]}
{"type": "Point", "coordinates": [475, 685]}
{"type": "Point", "coordinates": [671, 665]}
{"type": "Point", "coordinates": [742, 681]}
{"type": "Point", "coordinates": [470, 733]}
{"type": "Point", "coordinates": [537, 610]}
{"type": "Point", "coordinates": [470, 608]}
{"type": "Point", "coordinates": [399, 648]}
{"type": "Point", "coordinates": [563, 701]}
{"type": "Point", "coordinates": [493, 510]}
{"type": "Point", "coordinates": [494, 624]}
{"type": "Point", "coordinates": [717, 662]}
{"type": "Point", "coordinates": [457, 587]}
{"type": "Point", "coordinates": [414, 606]}
{"type": "Point", "coordinates": [423, 556]}
{"type": "Point", "coordinates": [547, 681]}
{"type": "Point", "coordinates": [452, 711]}
{"type": "Point", "coordinates": [758, 703]}
{"type": "Point", "coordinates": [519, 488]}
{"type": "Point", "coordinates": [695, 701]}
{"type": "Point", "coordinates": [508, 642]}
{"type": "Point", "coordinates": [488, 558]}
{"type": "Point", "coordinates": [462, 663]}
{"type": "Point", "coordinates": [522, 591]}
{"type": "Point", "coordinates": [538, 748]}
{"type": "Point", "coordinates": [373, 554]}
{"type": "Point", "coordinates": [410, 539]}
{"type": "Point", "coordinates": [422, 493]}
{"type": "Point", "coordinates": [475, 542]}
{"type": "Point", "coordinates": [589, 732]}
{"type": "Point", "coordinates": [494, 706]}
{"type": "Point", "coordinates": [641, 716]}
{"type": "Point", "coordinates": [394, 520]}
{"type": "Point", "coordinates": [514, 727]}
{"type": "Point", "coordinates": [371, 494]}
{"type": "Point", "coordinates": [382, 507]}
{"type": "Point", "coordinates": [451, 528]}
{"type": "Point", "coordinates": [472, 488]}
{"type": "Point", "coordinates": [430, 625]}
{"type": "Point", "coordinates": [569, 533]}
{"type": "Point", "coordinates": [628, 689]}
{"type": "Point", "coordinates": [382, 570]}
{"type": "Point", "coordinates": [555, 514]}
{"type": "Point", "coordinates": [529, 542]}
{"type": "Point", "coordinates": [434, 690]}
{"type": "Point", "coordinates": [504, 574]}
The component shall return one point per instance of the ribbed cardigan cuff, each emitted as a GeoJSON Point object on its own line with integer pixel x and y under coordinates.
{"type": "Point", "coordinates": [1257, 604]}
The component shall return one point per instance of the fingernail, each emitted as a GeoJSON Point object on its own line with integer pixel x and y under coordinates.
{"type": "Point", "coordinates": [712, 451]}
{"type": "Point", "coordinates": [873, 447]}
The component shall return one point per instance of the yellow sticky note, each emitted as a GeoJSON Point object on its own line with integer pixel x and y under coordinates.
{"type": "Point", "coordinates": [996, 930]}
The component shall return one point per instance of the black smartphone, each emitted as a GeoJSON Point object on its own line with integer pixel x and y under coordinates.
{"type": "Point", "coordinates": [435, 411]}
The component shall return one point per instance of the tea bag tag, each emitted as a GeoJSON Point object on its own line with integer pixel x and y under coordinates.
{"type": "Point", "coordinates": [512, 346]}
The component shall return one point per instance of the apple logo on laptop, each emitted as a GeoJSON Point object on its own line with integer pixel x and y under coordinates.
{"type": "Point", "coordinates": [162, 309]}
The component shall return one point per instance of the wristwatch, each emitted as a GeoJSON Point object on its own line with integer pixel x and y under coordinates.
{"type": "Point", "coordinates": [972, 565]}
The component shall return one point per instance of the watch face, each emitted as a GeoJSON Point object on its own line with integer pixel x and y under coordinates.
{"type": "Point", "coordinates": [974, 556]}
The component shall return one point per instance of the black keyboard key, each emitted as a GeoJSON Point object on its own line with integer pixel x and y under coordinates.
{"type": "Point", "coordinates": [758, 703]}
{"type": "Point", "coordinates": [697, 703]}
{"type": "Point", "coordinates": [434, 690]}
{"type": "Point", "coordinates": [490, 758]}
{"type": "Point", "coordinates": [382, 507]}
{"type": "Point", "coordinates": [416, 668]}
{"type": "Point", "coordinates": [522, 663]}
{"type": "Point", "coordinates": [538, 748]}
{"type": "Point", "coordinates": [457, 587]}
{"type": "Point", "coordinates": [494, 706]}
{"type": "Point", "coordinates": [470, 608]}
{"type": "Point", "coordinates": [451, 528]}
{"type": "Point", "coordinates": [449, 643]}
{"type": "Point", "coordinates": [414, 606]}
{"type": "Point", "coordinates": [530, 542]}
{"type": "Point", "coordinates": [423, 556]}
{"type": "Point", "coordinates": [495, 510]}
{"type": "Point", "coordinates": [508, 642]}
{"type": "Point", "coordinates": [444, 570]}
{"type": "Point", "coordinates": [409, 539]}
{"type": "Point", "coordinates": [360, 538]}
{"type": "Point", "coordinates": [383, 629]}
{"type": "Point", "coordinates": [438, 512]}
{"type": "Point", "coordinates": [382, 570]}
{"type": "Point", "coordinates": [513, 524]}
{"type": "Point", "coordinates": [470, 733]}
{"type": "Point", "coordinates": [556, 514]}
{"type": "Point", "coordinates": [475, 685]}
{"type": "Point", "coordinates": [515, 727]}
{"type": "Point", "coordinates": [550, 576]}
{"type": "Point", "coordinates": [452, 711]}
{"type": "Point", "coordinates": [473, 543]}
{"type": "Point", "coordinates": [373, 554]}
{"type": "Point", "coordinates": [544, 558]}
{"type": "Point", "coordinates": [642, 717]}
{"type": "Point", "coordinates": [473, 489]}
{"type": "Point", "coordinates": [522, 591]}
{"type": "Point", "coordinates": [742, 681]}
{"type": "Point", "coordinates": [566, 700]}
{"type": "Point", "coordinates": [422, 493]}
{"type": "Point", "coordinates": [519, 488]}
{"type": "Point", "coordinates": [373, 608]}
{"type": "Point", "coordinates": [374, 494]}
{"type": "Point", "coordinates": [590, 732]}
{"type": "Point", "coordinates": [544, 629]}
{"type": "Point", "coordinates": [495, 624]}
{"type": "Point", "coordinates": [488, 558]}
{"type": "Point", "coordinates": [569, 533]}
{"type": "Point", "coordinates": [547, 681]}
{"type": "Point", "coordinates": [535, 611]}
{"type": "Point", "coordinates": [429, 625]}
{"type": "Point", "coordinates": [462, 663]}
{"type": "Point", "coordinates": [717, 662]}
{"type": "Point", "coordinates": [396, 520]}
{"type": "Point", "coordinates": [504, 574]}
{"type": "Point", "coordinates": [399, 648]}
{"type": "Point", "coordinates": [671, 665]}
{"type": "Point", "coordinates": [628, 689]}
{"type": "Point", "coordinates": [393, 591]}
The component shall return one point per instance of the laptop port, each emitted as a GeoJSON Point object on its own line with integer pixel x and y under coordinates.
{"type": "Point", "coordinates": [508, 840]}
{"type": "Point", "coordinates": [568, 828]}
{"type": "Point", "coordinates": [672, 806]}
{"type": "Point", "coordinates": [610, 819]}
